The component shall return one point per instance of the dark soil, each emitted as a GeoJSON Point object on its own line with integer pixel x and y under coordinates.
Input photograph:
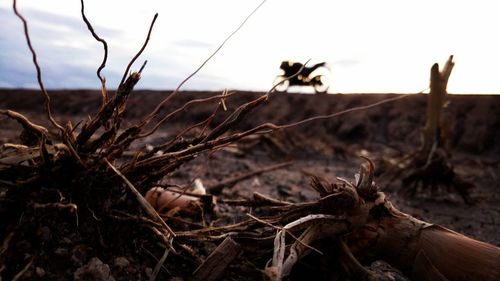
{"type": "Point", "coordinates": [329, 148]}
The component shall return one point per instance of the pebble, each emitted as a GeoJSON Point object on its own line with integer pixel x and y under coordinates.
{"type": "Point", "coordinates": [94, 270]}
{"type": "Point", "coordinates": [62, 252]}
{"type": "Point", "coordinates": [121, 262]}
{"type": "Point", "coordinates": [40, 272]}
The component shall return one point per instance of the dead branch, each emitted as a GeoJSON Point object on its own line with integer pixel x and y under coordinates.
{"type": "Point", "coordinates": [20, 274]}
{"type": "Point", "coordinates": [37, 66]}
{"type": "Point", "coordinates": [174, 93]}
{"type": "Point", "coordinates": [181, 109]}
{"type": "Point", "coordinates": [117, 104]}
{"type": "Point", "coordinates": [107, 111]}
{"type": "Point", "coordinates": [145, 204]}
{"type": "Point", "coordinates": [139, 52]}
{"type": "Point", "coordinates": [216, 263]}
{"type": "Point", "coordinates": [105, 97]}
{"type": "Point", "coordinates": [238, 115]}
{"type": "Point", "coordinates": [267, 127]}
{"type": "Point", "coordinates": [211, 142]}
{"type": "Point", "coordinates": [215, 140]}
{"type": "Point", "coordinates": [38, 130]}
{"type": "Point", "coordinates": [239, 226]}
{"type": "Point", "coordinates": [104, 43]}
{"type": "Point", "coordinates": [258, 200]}
{"type": "Point", "coordinates": [346, 111]}
{"type": "Point", "coordinates": [61, 206]}
{"type": "Point", "coordinates": [159, 265]}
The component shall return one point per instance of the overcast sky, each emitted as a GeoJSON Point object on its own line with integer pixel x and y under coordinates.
{"type": "Point", "coordinates": [371, 46]}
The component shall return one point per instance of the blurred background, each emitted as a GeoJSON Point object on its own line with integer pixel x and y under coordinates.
{"type": "Point", "coordinates": [385, 46]}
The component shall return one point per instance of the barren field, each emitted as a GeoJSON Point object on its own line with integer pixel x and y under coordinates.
{"type": "Point", "coordinates": [328, 148]}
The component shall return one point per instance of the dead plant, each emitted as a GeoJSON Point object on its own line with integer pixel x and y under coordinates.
{"type": "Point", "coordinates": [351, 224]}
{"type": "Point", "coordinates": [430, 168]}
{"type": "Point", "coordinates": [79, 170]}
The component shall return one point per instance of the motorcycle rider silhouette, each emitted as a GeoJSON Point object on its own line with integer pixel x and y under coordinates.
{"type": "Point", "coordinates": [304, 78]}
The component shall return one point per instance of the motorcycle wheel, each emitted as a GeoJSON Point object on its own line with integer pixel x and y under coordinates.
{"type": "Point", "coordinates": [281, 84]}
{"type": "Point", "coordinates": [321, 84]}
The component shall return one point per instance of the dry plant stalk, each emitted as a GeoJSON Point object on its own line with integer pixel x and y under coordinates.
{"type": "Point", "coordinates": [429, 166]}
{"type": "Point", "coordinates": [37, 67]}
{"type": "Point", "coordinates": [36, 131]}
{"type": "Point", "coordinates": [368, 227]}
{"type": "Point", "coordinates": [78, 172]}
{"type": "Point", "coordinates": [435, 103]}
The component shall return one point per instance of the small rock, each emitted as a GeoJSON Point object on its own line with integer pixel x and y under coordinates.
{"type": "Point", "coordinates": [386, 271]}
{"type": "Point", "coordinates": [62, 252]}
{"type": "Point", "coordinates": [121, 262]}
{"type": "Point", "coordinates": [65, 240]}
{"type": "Point", "coordinates": [40, 272]}
{"type": "Point", "coordinates": [94, 270]}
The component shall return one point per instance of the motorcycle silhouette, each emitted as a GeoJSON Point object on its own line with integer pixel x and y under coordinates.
{"type": "Point", "coordinates": [304, 78]}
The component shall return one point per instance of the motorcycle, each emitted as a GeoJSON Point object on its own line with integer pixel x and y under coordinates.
{"type": "Point", "coordinates": [304, 78]}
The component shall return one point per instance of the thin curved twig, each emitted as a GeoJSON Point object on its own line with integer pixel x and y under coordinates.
{"type": "Point", "coordinates": [160, 105]}
{"type": "Point", "coordinates": [140, 51]}
{"type": "Point", "coordinates": [244, 109]}
{"type": "Point", "coordinates": [37, 66]}
{"type": "Point", "coordinates": [342, 112]}
{"type": "Point", "coordinates": [264, 129]}
{"type": "Point", "coordinates": [273, 127]}
{"type": "Point", "coordinates": [104, 44]}
{"type": "Point", "coordinates": [170, 115]}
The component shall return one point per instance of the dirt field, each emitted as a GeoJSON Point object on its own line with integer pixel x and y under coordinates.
{"type": "Point", "coordinates": [329, 148]}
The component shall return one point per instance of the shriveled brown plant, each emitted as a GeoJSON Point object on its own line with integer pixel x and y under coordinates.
{"type": "Point", "coordinates": [351, 225]}
{"type": "Point", "coordinates": [76, 177]}
{"type": "Point", "coordinates": [429, 168]}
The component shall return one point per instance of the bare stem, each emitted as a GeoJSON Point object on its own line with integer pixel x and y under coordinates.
{"type": "Point", "coordinates": [170, 115]}
{"type": "Point", "coordinates": [140, 51]}
{"type": "Point", "coordinates": [104, 44]}
{"type": "Point", "coordinates": [157, 109]}
{"type": "Point", "coordinates": [144, 203]}
{"type": "Point", "coordinates": [38, 70]}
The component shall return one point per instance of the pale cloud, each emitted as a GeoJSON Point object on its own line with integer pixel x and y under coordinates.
{"type": "Point", "coordinates": [190, 43]}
